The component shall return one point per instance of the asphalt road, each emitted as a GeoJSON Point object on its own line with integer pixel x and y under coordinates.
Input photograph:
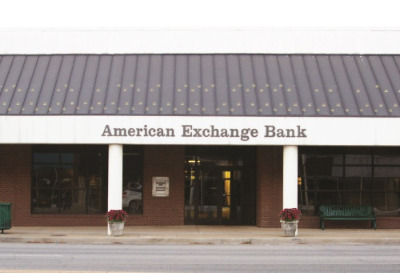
{"type": "Point", "coordinates": [199, 258]}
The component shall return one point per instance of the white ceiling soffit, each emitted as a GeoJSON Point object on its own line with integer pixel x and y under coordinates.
{"type": "Point", "coordinates": [175, 41]}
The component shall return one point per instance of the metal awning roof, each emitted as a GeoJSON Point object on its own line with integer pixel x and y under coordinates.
{"type": "Point", "coordinates": [208, 85]}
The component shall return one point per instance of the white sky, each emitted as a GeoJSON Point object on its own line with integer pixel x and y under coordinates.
{"type": "Point", "coordinates": [84, 14]}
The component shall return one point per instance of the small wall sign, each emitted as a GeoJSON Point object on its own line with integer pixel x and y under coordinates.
{"type": "Point", "coordinates": [160, 186]}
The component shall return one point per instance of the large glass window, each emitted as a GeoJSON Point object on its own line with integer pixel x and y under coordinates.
{"type": "Point", "coordinates": [340, 175]}
{"type": "Point", "coordinates": [69, 179]}
{"type": "Point", "coordinates": [133, 179]}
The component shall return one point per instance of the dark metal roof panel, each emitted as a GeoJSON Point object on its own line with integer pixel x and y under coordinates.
{"type": "Point", "coordinates": [208, 98]}
{"type": "Point", "coordinates": [211, 85]}
{"type": "Point", "coordinates": [289, 86]}
{"type": "Point", "coordinates": [303, 87]}
{"type": "Point", "coordinates": [235, 103]}
{"type": "Point", "coordinates": [262, 87]}
{"type": "Point", "coordinates": [141, 85]}
{"type": "Point", "coordinates": [385, 85]}
{"type": "Point", "coordinates": [167, 82]}
{"type": "Point", "coordinates": [127, 87]}
{"type": "Point", "coordinates": [44, 79]}
{"type": "Point", "coordinates": [192, 106]}
{"type": "Point", "coordinates": [82, 79]}
{"type": "Point", "coordinates": [220, 87]}
{"type": "Point", "coordinates": [114, 85]}
{"type": "Point", "coordinates": [344, 88]}
{"type": "Point", "coordinates": [60, 84]}
{"type": "Point", "coordinates": [248, 85]}
{"type": "Point", "coordinates": [333, 102]}
{"type": "Point", "coordinates": [9, 86]}
{"type": "Point", "coordinates": [20, 88]}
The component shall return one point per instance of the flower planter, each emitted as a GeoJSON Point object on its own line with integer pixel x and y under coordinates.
{"type": "Point", "coordinates": [289, 228]}
{"type": "Point", "coordinates": [116, 221]}
{"type": "Point", "coordinates": [115, 228]}
{"type": "Point", "coordinates": [289, 221]}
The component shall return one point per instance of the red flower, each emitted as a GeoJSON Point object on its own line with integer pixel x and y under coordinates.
{"type": "Point", "coordinates": [116, 216]}
{"type": "Point", "coordinates": [290, 214]}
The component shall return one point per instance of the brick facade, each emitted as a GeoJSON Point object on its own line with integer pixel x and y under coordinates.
{"type": "Point", "coordinates": [15, 187]}
{"type": "Point", "coordinates": [162, 161]}
{"type": "Point", "coordinates": [269, 185]}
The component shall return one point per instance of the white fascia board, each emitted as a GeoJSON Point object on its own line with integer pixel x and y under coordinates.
{"type": "Point", "coordinates": [196, 130]}
{"type": "Point", "coordinates": [200, 41]}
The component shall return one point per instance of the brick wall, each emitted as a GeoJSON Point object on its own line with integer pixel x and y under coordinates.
{"type": "Point", "coordinates": [162, 161]}
{"type": "Point", "coordinates": [269, 185]}
{"type": "Point", "coordinates": [15, 188]}
{"type": "Point", "coordinates": [15, 180]}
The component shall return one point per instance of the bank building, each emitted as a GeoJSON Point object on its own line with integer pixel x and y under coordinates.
{"type": "Point", "coordinates": [227, 130]}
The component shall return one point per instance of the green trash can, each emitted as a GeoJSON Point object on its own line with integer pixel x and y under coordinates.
{"type": "Point", "coordinates": [5, 216]}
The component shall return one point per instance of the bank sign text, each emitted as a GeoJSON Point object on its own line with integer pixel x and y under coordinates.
{"type": "Point", "coordinates": [211, 131]}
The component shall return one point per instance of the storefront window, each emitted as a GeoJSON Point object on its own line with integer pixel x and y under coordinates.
{"type": "Point", "coordinates": [368, 176]}
{"type": "Point", "coordinates": [69, 179]}
{"type": "Point", "coordinates": [132, 200]}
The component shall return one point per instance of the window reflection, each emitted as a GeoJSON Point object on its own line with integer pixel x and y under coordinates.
{"type": "Point", "coordinates": [132, 200]}
{"type": "Point", "coordinates": [69, 179]}
{"type": "Point", "coordinates": [369, 176]}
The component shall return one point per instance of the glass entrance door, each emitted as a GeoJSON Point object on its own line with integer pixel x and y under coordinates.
{"type": "Point", "coordinates": [219, 186]}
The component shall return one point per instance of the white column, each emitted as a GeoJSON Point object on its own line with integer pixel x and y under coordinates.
{"type": "Point", "coordinates": [290, 173]}
{"type": "Point", "coordinates": [115, 157]}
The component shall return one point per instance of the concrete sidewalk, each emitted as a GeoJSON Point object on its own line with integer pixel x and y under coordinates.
{"type": "Point", "coordinates": [213, 235]}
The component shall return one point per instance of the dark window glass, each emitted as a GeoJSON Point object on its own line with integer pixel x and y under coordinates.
{"type": "Point", "coordinates": [45, 157]}
{"type": "Point", "coordinates": [69, 179]}
{"type": "Point", "coordinates": [387, 160]}
{"type": "Point", "coordinates": [341, 175]}
{"type": "Point", "coordinates": [68, 158]}
{"type": "Point", "coordinates": [132, 200]}
{"type": "Point", "coordinates": [358, 159]}
{"type": "Point", "coordinates": [220, 185]}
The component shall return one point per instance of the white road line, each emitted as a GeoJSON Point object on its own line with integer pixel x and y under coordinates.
{"type": "Point", "coordinates": [62, 271]}
{"type": "Point", "coordinates": [30, 255]}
